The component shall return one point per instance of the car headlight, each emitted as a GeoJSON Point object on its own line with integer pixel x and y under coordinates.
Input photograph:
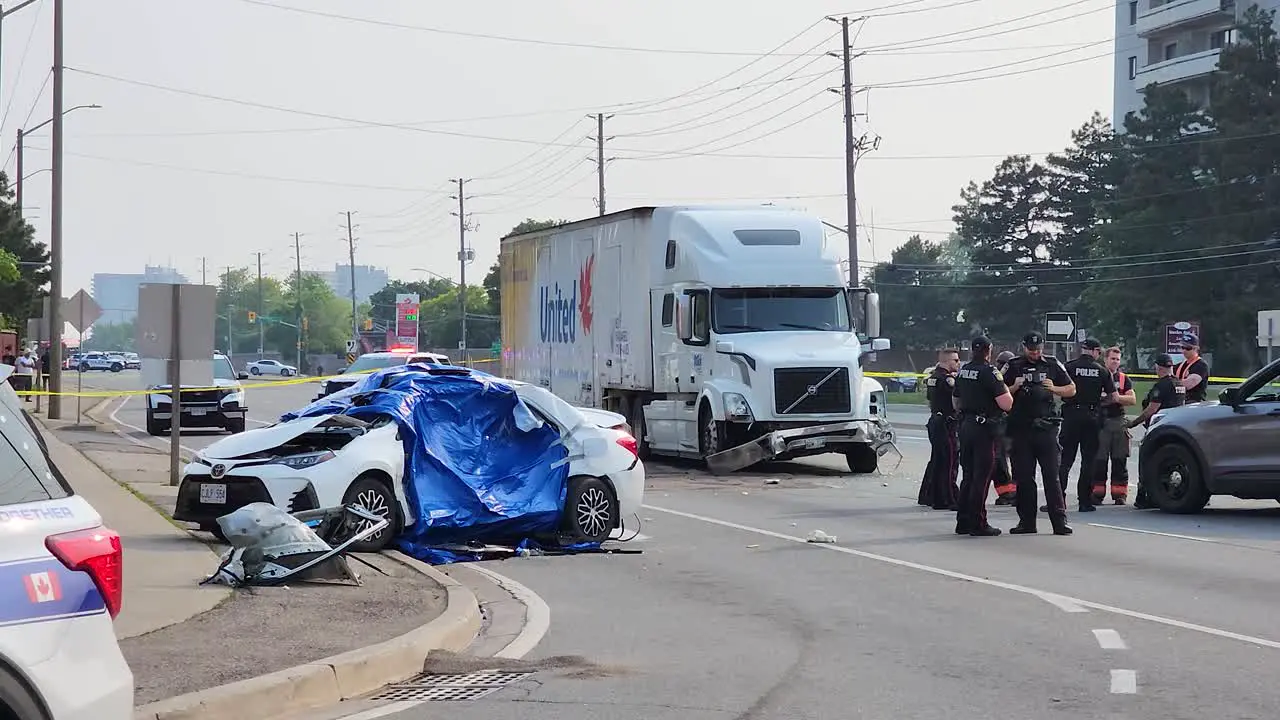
{"type": "Point", "coordinates": [736, 407]}
{"type": "Point", "coordinates": [235, 398]}
{"type": "Point", "coordinates": [1158, 417]}
{"type": "Point", "coordinates": [305, 460]}
{"type": "Point", "coordinates": [159, 399]}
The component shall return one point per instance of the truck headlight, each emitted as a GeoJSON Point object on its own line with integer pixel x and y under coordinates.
{"type": "Point", "coordinates": [1155, 419]}
{"type": "Point", "coordinates": [736, 408]}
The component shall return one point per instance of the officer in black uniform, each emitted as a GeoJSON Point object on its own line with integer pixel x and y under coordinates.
{"type": "Point", "coordinates": [1167, 392]}
{"type": "Point", "coordinates": [944, 457]}
{"type": "Point", "coordinates": [1035, 381]}
{"type": "Point", "coordinates": [1082, 419]}
{"type": "Point", "coordinates": [982, 400]}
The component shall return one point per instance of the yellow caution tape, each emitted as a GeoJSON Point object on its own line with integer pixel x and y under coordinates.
{"type": "Point", "coordinates": [262, 384]}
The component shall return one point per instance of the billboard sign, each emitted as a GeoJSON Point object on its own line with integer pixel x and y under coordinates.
{"type": "Point", "coordinates": [407, 320]}
{"type": "Point", "coordinates": [1173, 334]}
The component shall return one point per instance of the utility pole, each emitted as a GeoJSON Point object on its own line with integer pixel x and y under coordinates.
{"type": "Point", "coordinates": [297, 290]}
{"type": "Point", "coordinates": [261, 328]}
{"type": "Point", "coordinates": [351, 259]}
{"type": "Point", "coordinates": [850, 154]}
{"type": "Point", "coordinates": [18, 181]}
{"type": "Point", "coordinates": [55, 228]}
{"type": "Point", "coordinates": [462, 266]}
{"type": "Point", "coordinates": [226, 289]}
{"type": "Point", "coordinates": [204, 271]}
{"type": "Point", "coordinates": [600, 160]}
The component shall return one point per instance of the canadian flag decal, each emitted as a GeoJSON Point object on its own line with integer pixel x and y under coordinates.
{"type": "Point", "coordinates": [42, 587]}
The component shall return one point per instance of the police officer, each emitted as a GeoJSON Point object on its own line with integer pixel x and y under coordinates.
{"type": "Point", "coordinates": [1005, 489]}
{"type": "Point", "coordinates": [1113, 441]}
{"type": "Point", "coordinates": [1035, 381]}
{"type": "Point", "coordinates": [944, 458]}
{"type": "Point", "coordinates": [982, 400]}
{"type": "Point", "coordinates": [1081, 421]}
{"type": "Point", "coordinates": [1167, 392]}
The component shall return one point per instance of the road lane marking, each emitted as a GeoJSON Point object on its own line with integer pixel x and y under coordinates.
{"type": "Point", "coordinates": [1153, 532]}
{"type": "Point", "coordinates": [157, 445]}
{"type": "Point", "coordinates": [1109, 640]}
{"type": "Point", "coordinates": [1064, 604]}
{"type": "Point", "coordinates": [1041, 594]}
{"type": "Point", "coordinates": [383, 711]}
{"type": "Point", "coordinates": [1124, 682]}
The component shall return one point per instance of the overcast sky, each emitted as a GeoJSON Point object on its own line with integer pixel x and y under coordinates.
{"type": "Point", "coordinates": [377, 118]}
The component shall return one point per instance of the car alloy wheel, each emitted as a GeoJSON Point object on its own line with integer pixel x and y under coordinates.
{"type": "Point", "coordinates": [375, 501]}
{"type": "Point", "coordinates": [594, 512]}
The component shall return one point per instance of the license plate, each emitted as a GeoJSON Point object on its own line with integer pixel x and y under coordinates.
{"type": "Point", "coordinates": [198, 412]}
{"type": "Point", "coordinates": [813, 443]}
{"type": "Point", "coordinates": [213, 494]}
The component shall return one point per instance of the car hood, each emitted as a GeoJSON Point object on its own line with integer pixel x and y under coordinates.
{"type": "Point", "coordinates": [259, 440]}
{"type": "Point", "coordinates": [217, 383]}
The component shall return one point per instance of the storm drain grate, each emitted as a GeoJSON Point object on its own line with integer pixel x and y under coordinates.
{"type": "Point", "coordinates": [443, 688]}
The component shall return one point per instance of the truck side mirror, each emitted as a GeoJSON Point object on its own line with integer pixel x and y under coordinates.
{"type": "Point", "coordinates": [684, 317]}
{"type": "Point", "coordinates": [871, 314]}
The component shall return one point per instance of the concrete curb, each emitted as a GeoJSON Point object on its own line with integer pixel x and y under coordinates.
{"type": "Point", "coordinates": [334, 679]}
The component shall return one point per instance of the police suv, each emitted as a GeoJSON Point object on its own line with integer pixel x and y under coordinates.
{"type": "Point", "coordinates": [60, 588]}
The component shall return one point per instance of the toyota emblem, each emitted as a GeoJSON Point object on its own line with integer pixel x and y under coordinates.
{"type": "Point", "coordinates": [219, 471]}
{"type": "Point", "coordinates": [811, 390]}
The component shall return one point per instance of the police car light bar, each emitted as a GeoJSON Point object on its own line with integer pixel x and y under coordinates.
{"type": "Point", "coordinates": [96, 552]}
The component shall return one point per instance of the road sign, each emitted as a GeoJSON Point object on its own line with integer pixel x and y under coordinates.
{"type": "Point", "coordinates": [351, 348]}
{"type": "Point", "coordinates": [82, 311]}
{"type": "Point", "coordinates": [1060, 327]}
{"type": "Point", "coordinates": [1174, 333]}
{"type": "Point", "coordinates": [351, 359]}
{"type": "Point", "coordinates": [1268, 328]}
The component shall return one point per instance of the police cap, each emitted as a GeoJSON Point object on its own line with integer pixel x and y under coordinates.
{"type": "Point", "coordinates": [1162, 360]}
{"type": "Point", "coordinates": [1032, 339]}
{"type": "Point", "coordinates": [1091, 344]}
{"type": "Point", "coordinates": [980, 343]}
{"type": "Point", "coordinates": [1190, 341]}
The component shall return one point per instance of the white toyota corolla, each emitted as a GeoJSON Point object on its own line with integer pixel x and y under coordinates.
{"type": "Point", "coordinates": [330, 460]}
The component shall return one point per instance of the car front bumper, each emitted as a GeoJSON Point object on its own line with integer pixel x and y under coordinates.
{"type": "Point", "coordinates": [202, 416]}
{"type": "Point", "coordinates": [252, 484]}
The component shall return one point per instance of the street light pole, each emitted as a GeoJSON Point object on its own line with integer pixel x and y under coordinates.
{"type": "Point", "coordinates": [20, 148]}
{"type": "Point", "coordinates": [55, 226]}
{"type": "Point", "coordinates": [18, 183]}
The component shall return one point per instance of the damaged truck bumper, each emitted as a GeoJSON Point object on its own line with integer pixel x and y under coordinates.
{"type": "Point", "coordinates": [799, 442]}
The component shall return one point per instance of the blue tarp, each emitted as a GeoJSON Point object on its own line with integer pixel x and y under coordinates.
{"type": "Point", "coordinates": [479, 465]}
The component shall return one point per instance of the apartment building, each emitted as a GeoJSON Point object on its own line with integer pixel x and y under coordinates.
{"type": "Point", "coordinates": [117, 294]}
{"type": "Point", "coordinates": [1171, 42]}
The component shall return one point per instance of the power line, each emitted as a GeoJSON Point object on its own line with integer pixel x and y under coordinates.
{"type": "Point", "coordinates": [1092, 281]}
{"type": "Point", "coordinates": [34, 104]}
{"type": "Point", "coordinates": [1084, 266]}
{"type": "Point", "coordinates": [927, 41]}
{"type": "Point", "coordinates": [22, 62]}
{"type": "Point", "coordinates": [501, 38]}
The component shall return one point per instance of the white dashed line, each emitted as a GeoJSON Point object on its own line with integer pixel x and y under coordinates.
{"type": "Point", "coordinates": [1042, 594]}
{"type": "Point", "coordinates": [1109, 640]}
{"type": "Point", "coordinates": [1124, 682]}
{"type": "Point", "coordinates": [1064, 604]}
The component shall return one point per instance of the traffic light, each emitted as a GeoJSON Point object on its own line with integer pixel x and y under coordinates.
{"type": "Point", "coordinates": [368, 323]}
{"type": "Point", "coordinates": [304, 324]}
{"type": "Point", "coordinates": [253, 317]}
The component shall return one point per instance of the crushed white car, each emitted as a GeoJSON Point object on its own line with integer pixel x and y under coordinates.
{"type": "Point", "coordinates": [333, 459]}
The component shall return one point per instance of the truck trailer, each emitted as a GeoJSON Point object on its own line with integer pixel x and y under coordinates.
{"type": "Point", "coordinates": [721, 333]}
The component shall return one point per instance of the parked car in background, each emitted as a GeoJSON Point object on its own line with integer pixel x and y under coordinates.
{"type": "Point", "coordinates": [60, 588]}
{"type": "Point", "coordinates": [100, 361]}
{"type": "Point", "coordinates": [221, 406]}
{"type": "Point", "coordinates": [1230, 446]}
{"type": "Point", "coordinates": [370, 362]}
{"type": "Point", "coordinates": [270, 367]}
{"type": "Point", "coordinates": [328, 460]}
{"type": "Point", "coordinates": [132, 361]}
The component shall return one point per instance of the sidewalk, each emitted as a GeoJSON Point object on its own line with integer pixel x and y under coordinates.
{"type": "Point", "coordinates": [162, 565]}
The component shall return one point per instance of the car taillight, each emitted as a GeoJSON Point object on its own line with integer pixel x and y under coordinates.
{"type": "Point", "coordinates": [630, 444]}
{"type": "Point", "coordinates": [98, 553]}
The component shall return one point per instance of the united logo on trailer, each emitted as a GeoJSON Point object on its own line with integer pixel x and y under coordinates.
{"type": "Point", "coordinates": [407, 320]}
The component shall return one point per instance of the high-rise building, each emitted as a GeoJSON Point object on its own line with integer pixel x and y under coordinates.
{"type": "Point", "coordinates": [1171, 42]}
{"type": "Point", "coordinates": [369, 280]}
{"type": "Point", "coordinates": [117, 294]}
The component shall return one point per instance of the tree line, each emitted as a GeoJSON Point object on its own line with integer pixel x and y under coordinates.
{"type": "Point", "coordinates": [1173, 219]}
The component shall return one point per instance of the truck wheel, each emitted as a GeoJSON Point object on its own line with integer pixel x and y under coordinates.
{"type": "Point", "coordinates": [637, 427]}
{"type": "Point", "coordinates": [590, 510]}
{"type": "Point", "coordinates": [1176, 483]}
{"type": "Point", "coordinates": [862, 459]}
{"type": "Point", "coordinates": [710, 432]}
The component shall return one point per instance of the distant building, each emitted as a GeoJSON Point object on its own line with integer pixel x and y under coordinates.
{"type": "Point", "coordinates": [117, 294]}
{"type": "Point", "coordinates": [1171, 42]}
{"type": "Point", "coordinates": [369, 280]}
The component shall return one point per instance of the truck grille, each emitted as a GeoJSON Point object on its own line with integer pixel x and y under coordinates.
{"type": "Point", "coordinates": [792, 384]}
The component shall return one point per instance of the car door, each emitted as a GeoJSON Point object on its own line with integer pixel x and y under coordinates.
{"type": "Point", "coordinates": [1245, 438]}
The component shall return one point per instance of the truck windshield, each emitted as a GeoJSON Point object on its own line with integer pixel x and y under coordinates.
{"type": "Point", "coordinates": [740, 310]}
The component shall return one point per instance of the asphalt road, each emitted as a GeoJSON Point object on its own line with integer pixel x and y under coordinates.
{"type": "Point", "coordinates": [729, 613]}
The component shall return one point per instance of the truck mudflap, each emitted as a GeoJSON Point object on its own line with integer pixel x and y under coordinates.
{"type": "Point", "coordinates": [878, 433]}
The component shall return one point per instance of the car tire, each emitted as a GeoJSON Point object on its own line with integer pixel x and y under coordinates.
{"type": "Point", "coordinates": [862, 459]}
{"type": "Point", "coordinates": [590, 511]}
{"type": "Point", "coordinates": [374, 495]}
{"type": "Point", "coordinates": [285, 373]}
{"type": "Point", "coordinates": [155, 427]}
{"type": "Point", "coordinates": [255, 371]}
{"type": "Point", "coordinates": [83, 367]}
{"type": "Point", "coordinates": [1190, 494]}
{"type": "Point", "coordinates": [235, 427]}
{"type": "Point", "coordinates": [116, 367]}
{"type": "Point", "coordinates": [18, 700]}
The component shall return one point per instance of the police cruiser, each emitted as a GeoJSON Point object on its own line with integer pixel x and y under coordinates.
{"type": "Point", "coordinates": [60, 588]}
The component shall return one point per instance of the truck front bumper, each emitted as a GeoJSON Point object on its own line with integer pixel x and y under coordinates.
{"type": "Point", "coordinates": [798, 442]}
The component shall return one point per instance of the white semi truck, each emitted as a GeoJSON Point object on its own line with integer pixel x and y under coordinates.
{"type": "Point", "coordinates": [722, 333]}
